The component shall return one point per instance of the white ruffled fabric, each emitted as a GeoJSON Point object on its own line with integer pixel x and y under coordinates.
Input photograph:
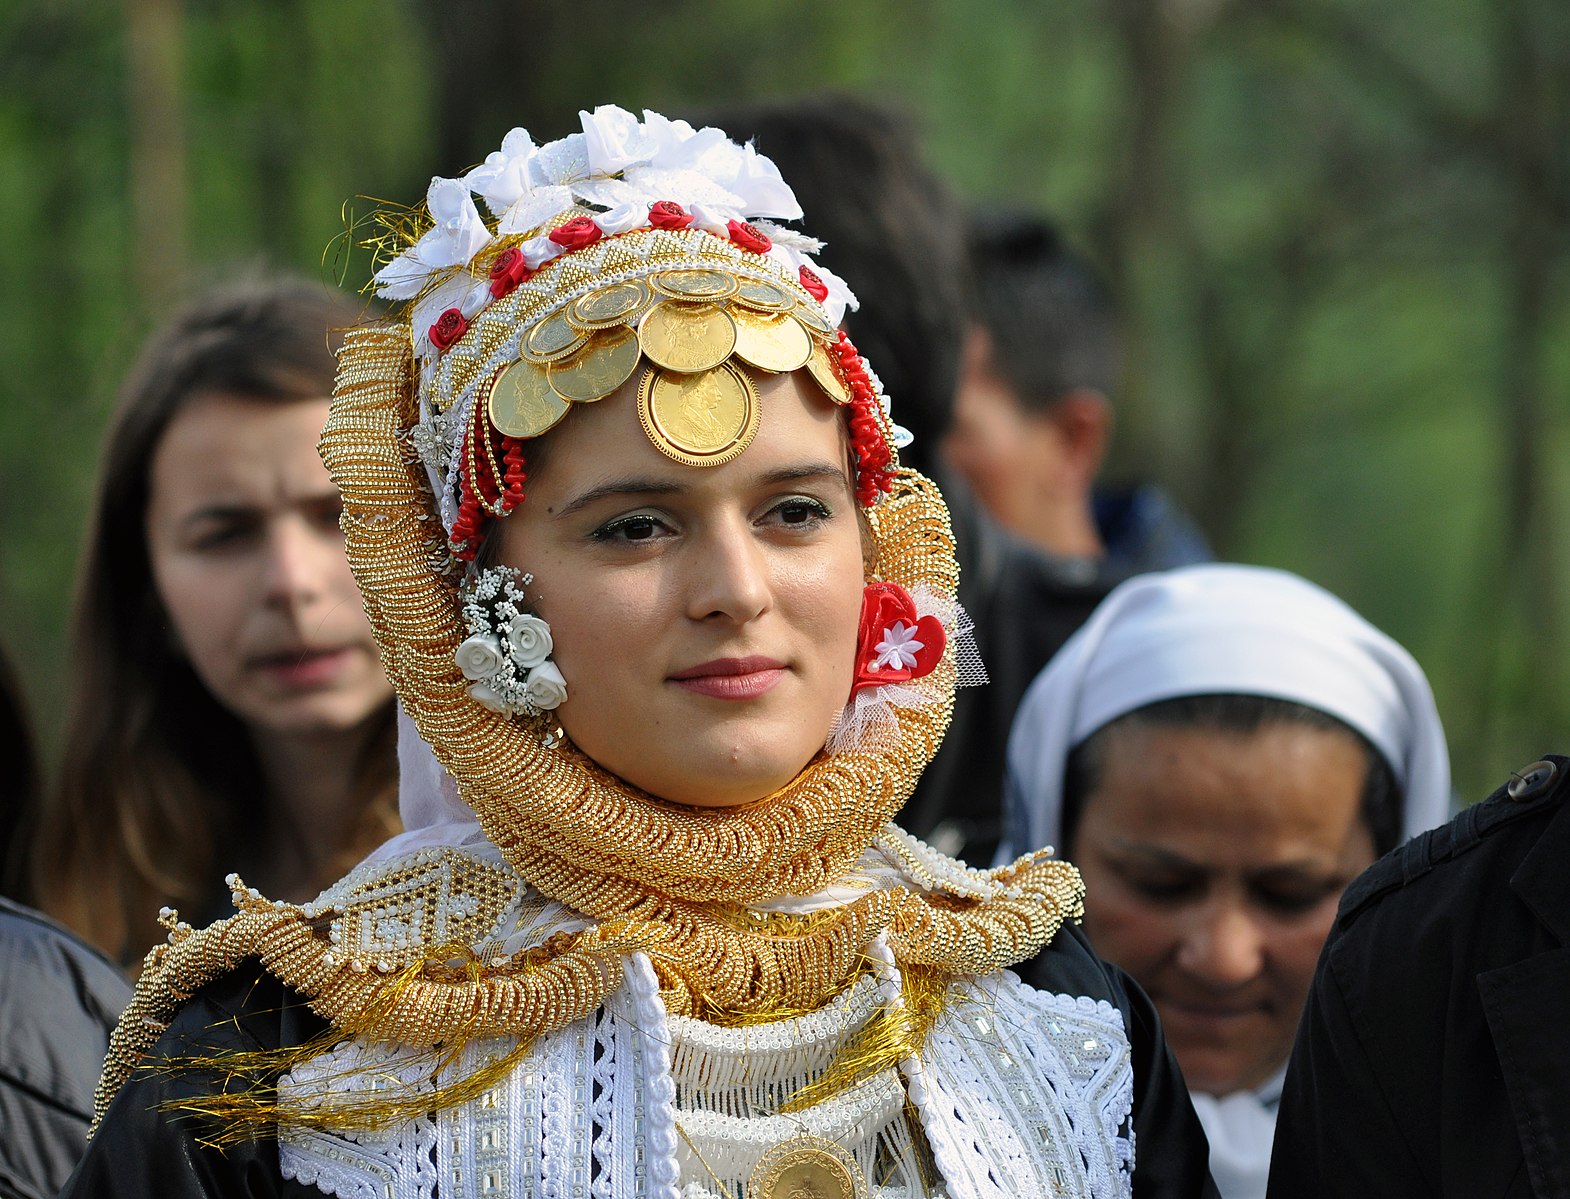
{"type": "Point", "coordinates": [1223, 629]}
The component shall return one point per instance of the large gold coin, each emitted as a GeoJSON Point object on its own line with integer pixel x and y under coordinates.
{"type": "Point", "coordinates": [807, 1167]}
{"type": "Point", "coordinates": [687, 337]}
{"type": "Point", "coordinates": [699, 420]}
{"type": "Point", "coordinates": [773, 343]}
{"type": "Point", "coordinates": [551, 339]}
{"type": "Point", "coordinates": [604, 365]}
{"type": "Point", "coordinates": [771, 297]}
{"type": "Point", "coordinates": [613, 305]}
{"type": "Point", "coordinates": [823, 367]}
{"type": "Point", "coordinates": [696, 285]}
{"type": "Point", "coordinates": [522, 403]}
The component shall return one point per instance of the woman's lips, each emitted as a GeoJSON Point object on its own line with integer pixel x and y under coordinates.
{"type": "Point", "coordinates": [731, 678]}
{"type": "Point", "coordinates": [304, 669]}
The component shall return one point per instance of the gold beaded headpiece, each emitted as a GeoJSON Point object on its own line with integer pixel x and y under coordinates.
{"type": "Point", "coordinates": [631, 244]}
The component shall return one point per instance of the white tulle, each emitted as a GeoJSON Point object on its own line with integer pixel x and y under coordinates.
{"type": "Point", "coordinates": [869, 722]}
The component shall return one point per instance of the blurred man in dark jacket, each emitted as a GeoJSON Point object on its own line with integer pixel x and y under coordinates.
{"type": "Point", "coordinates": [1033, 415]}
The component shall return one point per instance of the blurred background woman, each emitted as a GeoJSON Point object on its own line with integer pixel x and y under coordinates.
{"type": "Point", "coordinates": [1221, 750]}
{"type": "Point", "coordinates": [228, 704]}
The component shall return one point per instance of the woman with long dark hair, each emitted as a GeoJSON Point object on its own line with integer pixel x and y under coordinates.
{"type": "Point", "coordinates": [227, 703]}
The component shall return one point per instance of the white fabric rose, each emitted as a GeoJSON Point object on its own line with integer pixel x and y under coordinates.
{"type": "Point", "coordinates": [480, 658]}
{"type": "Point", "coordinates": [488, 697]}
{"type": "Point", "coordinates": [530, 639]}
{"type": "Point", "coordinates": [546, 688]}
{"type": "Point", "coordinates": [458, 236]}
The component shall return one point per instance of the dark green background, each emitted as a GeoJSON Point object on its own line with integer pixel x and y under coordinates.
{"type": "Point", "coordinates": [1339, 228]}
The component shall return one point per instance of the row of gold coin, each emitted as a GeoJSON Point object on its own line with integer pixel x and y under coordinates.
{"type": "Point", "coordinates": [696, 406]}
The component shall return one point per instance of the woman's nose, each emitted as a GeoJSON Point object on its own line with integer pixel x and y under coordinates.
{"type": "Point", "coordinates": [732, 579]}
{"type": "Point", "coordinates": [1224, 946]}
{"type": "Point", "coordinates": [295, 568]}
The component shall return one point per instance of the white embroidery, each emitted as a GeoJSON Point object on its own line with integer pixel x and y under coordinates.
{"type": "Point", "coordinates": [1017, 1092]}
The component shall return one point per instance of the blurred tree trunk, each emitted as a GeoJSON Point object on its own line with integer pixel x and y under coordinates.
{"type": "Point", "coordinates": [155, 67]}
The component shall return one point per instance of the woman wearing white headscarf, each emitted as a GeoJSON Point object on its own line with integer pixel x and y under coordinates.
{"type": "Point", "coordinates": [1221, 749]}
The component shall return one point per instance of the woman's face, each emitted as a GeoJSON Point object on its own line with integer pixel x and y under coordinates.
{"type": "Point", "coordinates": [704, 617]}
{"type": "Point", "coordinates": [1213, 863]}
{"type": "Point", "coordinates": [248, 562]}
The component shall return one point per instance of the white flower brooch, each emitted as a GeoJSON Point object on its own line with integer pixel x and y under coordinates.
{"type": "Point", "coordinates": [507, 656]}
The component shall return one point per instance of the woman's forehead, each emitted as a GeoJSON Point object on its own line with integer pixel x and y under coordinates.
{"type": "Point", "coordinates": [798, 432]}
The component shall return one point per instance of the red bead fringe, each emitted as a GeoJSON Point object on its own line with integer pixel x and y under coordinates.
{"type": "Point", "coordinates": [874, 459]}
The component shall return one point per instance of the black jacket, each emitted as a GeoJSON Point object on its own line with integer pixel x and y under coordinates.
{"type": "Point", "coordinates": [142, 1151]}
{"type": "Point", "coordinates": [59, 998]}
{"type": "Point", "coordinates": [1434, 1054]}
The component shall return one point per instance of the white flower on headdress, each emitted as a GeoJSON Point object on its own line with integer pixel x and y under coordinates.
{"type": "Point", "coordinates": [546, 688]}
{"type": "Point", "coordinates": [615, 140]}
{"type": "Point", "coordinates": [459, 235]}
{"type": "Point", "coordinates": [899, 647]}
{"type": "Point", "coordinates": [503, 178]}
{"type": "Point", "coordinates": [480, 657]}
{"type": "Point", "coordinates": [489, 698]}
{"type": "Point", "coordinates": [530, 640]}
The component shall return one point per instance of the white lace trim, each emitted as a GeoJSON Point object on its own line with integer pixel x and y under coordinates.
{"type": "Point", "coordinates": [1017, 1092]}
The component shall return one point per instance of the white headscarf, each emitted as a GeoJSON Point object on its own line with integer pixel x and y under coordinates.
{"type": "Point", "coordinates": [1225, 630]}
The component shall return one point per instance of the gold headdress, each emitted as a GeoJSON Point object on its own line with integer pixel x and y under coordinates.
{"type": "Point", "coordinates": [426, 423]}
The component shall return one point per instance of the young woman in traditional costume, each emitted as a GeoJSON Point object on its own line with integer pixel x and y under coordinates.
{"type": "Point", "coordinates": [673, 636]}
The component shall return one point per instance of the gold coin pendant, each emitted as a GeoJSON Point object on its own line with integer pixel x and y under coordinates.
{"type": "Point", "coordinates": [612, 305]}
{"type": "Point", "coordinates": [771, 297]}
{"type": "Point", "coordinates": [551, 339]}
{"type": "Point", "coordinates": [822, 367]}
{"type": "Point", "coordinates": [687, 338]}
{"type": "Point", "coordinates": [696, 285]}
{"type": "Point", "coordinates": [522, 403]}
{"type": "Point", "coordinates": [699, 419]}
{"type": "Point", "coordinates": [599, 369]}
{"type": "Point", "coordinates": [807, 1167]}
{"type": "Point", "coordinates": [771, 343]}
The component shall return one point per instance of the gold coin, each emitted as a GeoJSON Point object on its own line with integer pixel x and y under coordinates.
{"type": "Point", "coordinates": [812, 316]}
{"type": "Point", "coordinates": [612, 305]}
{"type": "Point", "coordinates": [551, 339]}
{"type": "Point", "coordinates": [771, 297]}
{"type": "Point", "coordinates": [696, 285]}
{"type": "Point", "coordinates": [807, 1167]}
{"type": "Point", "coordinates": [699, 420]}
{"type": "Point", "coordinates": [599, 369]}
{"type": "Point", "coordinates": [773, 343]}
{"type": "Point", "coordinates": [823, 367]}
{"type": "Point", "coordinates": [522, 403]}
{"type": "Point", "coordinates": [687, 337]}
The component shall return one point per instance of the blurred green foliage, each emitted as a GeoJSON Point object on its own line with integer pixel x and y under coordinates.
{"type": "Point", "coordinates": [1340, 230]}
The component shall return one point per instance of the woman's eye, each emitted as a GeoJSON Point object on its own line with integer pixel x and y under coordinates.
{"type": "Point", "coordinates": [216, 538]}
{"type": "Point", "coordinates": [1164, 890]}
{"type": "Point", "coordinates": [801, 512]}
{"type": "Point", "coordinates": [629, 528]}
{"type": "Point", "coordinates": [1295, 901]}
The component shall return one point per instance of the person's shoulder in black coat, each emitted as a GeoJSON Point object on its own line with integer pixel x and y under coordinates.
{"type": "Point", "coordinates": [1434, 1054]}
{"type": "Point", "coordinates": [59, 999]}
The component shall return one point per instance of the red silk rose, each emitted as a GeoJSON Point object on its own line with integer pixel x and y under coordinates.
{"type": "Point", "coordinates": [508, 271]}
{"type": "Point", "coordinates": [449, 327]}
{"type": "Point", "coordinates": [813, 284]}
{"type": "Point", "coordinates": [894, 645]}
{"type": "Point", "coordinates": [749, 237]}
{"type": "Point", "coordinates": [667, 214]}
{"type": "Point", "coordinates": [577, 233]}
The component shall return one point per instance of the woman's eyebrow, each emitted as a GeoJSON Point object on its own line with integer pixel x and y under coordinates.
{"type": "Point", "coordinates": [647, 487]}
